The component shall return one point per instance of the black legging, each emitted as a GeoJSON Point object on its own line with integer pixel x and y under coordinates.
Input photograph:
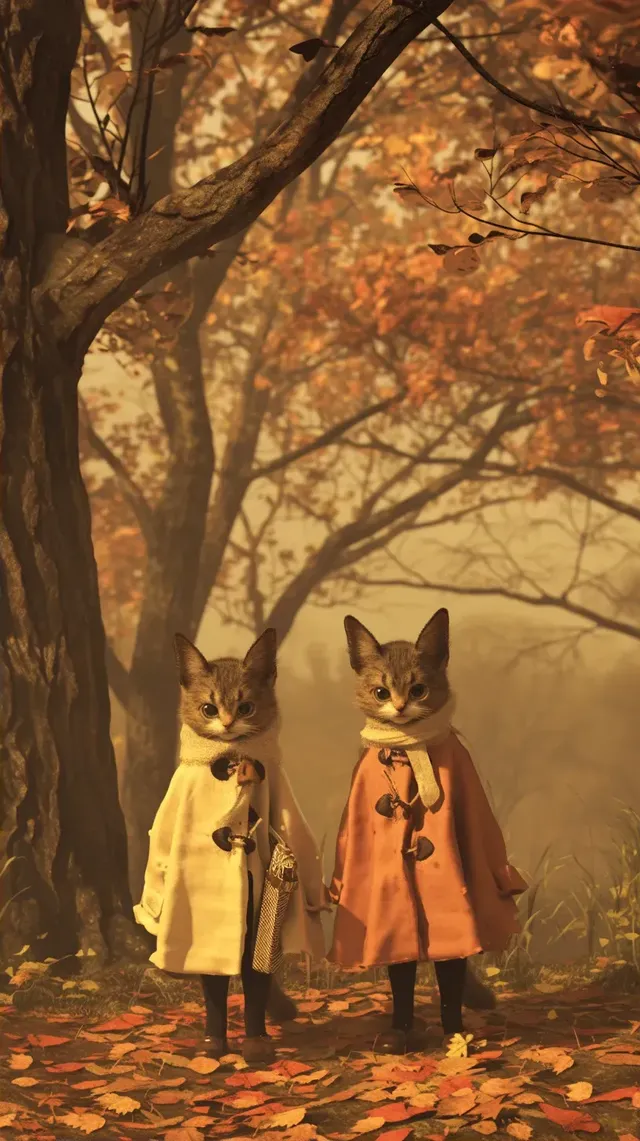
{"type": "Point", "coordinates": [450, 974]}
{"type": "Point", "coordinates": [254, 984]}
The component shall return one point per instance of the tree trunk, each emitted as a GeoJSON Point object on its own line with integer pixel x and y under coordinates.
{"type": "Point", "coordinates": [60, 809]}
{"type": "Point", "coordinates": [59, 799]}
{"type": "Point", "coordinates": [173, 558]}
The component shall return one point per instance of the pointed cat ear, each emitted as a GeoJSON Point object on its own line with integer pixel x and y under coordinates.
{"type": "Point", "coordinates": [191, 662]}
{"type": "Point", "coordinates": [363, 647]}
{"type": "Point", "coordinates": [433, 640]}
{"type": "Point", "coordinates": [260, 660]}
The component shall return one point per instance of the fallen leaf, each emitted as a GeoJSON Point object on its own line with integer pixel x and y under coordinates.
{"type": "Point", "coordinates": [202, 1065]}
{"type": "Point", "coordinates": [485, 1127]}
{"type": "Point", "coordinates": [570, 1120]}
{"type": "Point", "coordinates": [459, 1045]}
{"type": "Point", "coordinates": [520, 1130]}
{"type": "Point", "coordinates": [491, 1107]}
{"type": "Point", "coordinates": [457, 1103]}
{"type": "Point", "coordinates": [368, 1124]}
{"type": "Point", "coordinates": [65, 1068]}
{"type": "Point", "coordinates": [24, 1082]}
{"type": "Point", "coordinates": [556, 1059]}
{"type": "Point", "coordinates": [85, 1122]}
{"type": "Point", "coordinates": [201, 1122]}
{"type": "Point", "coordinates": [307, 1079]}
{"type": "Point", "coordinates": [119, 1049]}
{"type": "Point", "coordinates": [579, 1091]}
{"type": "Point", "coordinates": [168, 1096]}
{"type": "Point", "coordinates": [184, 1133]}
{"type": "Point", "coordinates": [20, 1061]}
{"type": "Point", "coordinates": [7, 1119]}
{"type": "Point", "coordinates": [424, 1100]}
{"type": "Point", "coordinates": [123, 1022]}
{"type": "Point", "coordinates": [397, 1134]}
{"type": "Point", "coordinates": [46, 1040]}
{"type": "Point", "coordinates": [617, 1094]}
{"type": "Point", "coordinates": [292, 1068]}
{"type": "Point", "coordinates": [118, 1104]}
{"type": "Point", "coordinates": [283, 1120]}
{"type": "Point", "coordinates": [501, 1087]}
{"type": "Point", "coordinates": [178, 1060]}
{"type": "Point", "coordinates": [452, 1066]}
{"type": "Point", "coordinates": [155, 1123]}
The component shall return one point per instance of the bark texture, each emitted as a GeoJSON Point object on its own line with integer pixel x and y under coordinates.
{"type": "Point", "coordinates": [59, 809]}
{"type": "Point", "coordinates": [188, 222]}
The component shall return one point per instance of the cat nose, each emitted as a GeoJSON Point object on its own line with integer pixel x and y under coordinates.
{"type": "Point", "coordinates": [227, 719]}
{"type": "Point", "coordinates": [399, 703]}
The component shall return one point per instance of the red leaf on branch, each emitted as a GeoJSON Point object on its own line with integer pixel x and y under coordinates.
{"type": "Point", "coordinates": [613, 317]}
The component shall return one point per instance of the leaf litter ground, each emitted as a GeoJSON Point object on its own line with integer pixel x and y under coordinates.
{"type": "Point", "coordinates": [554, 1065]}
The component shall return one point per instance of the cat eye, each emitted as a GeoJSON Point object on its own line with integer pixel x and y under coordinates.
{"type": "Point", "coordinates": [245, 708]}
{"type": "Point", "coordinates": [381, 693]}
{"type": "Point", "coordinates": [210, 710]}
{"type": "Point", "coordinates": [417, 690]}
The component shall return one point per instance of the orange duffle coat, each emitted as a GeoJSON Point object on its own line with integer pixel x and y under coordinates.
{"type": "Point", "coordinates": [392, 908]}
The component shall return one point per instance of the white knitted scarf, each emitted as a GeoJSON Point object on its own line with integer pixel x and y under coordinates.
{"type": "Point", "coordinates": [197, 750]}
{"type": "Point", "coordinates": [415, 739]}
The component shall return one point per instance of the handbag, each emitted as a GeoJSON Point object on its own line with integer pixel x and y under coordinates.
{"type": "Point", "coordinates": [280, 882]}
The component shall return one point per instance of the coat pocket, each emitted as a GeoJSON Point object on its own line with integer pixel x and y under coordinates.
{"type": "Point", "coordinates": [152, 902]}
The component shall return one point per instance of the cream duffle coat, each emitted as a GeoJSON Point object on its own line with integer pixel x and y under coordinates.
{"type": "Point", "coordinates": [195, 894]}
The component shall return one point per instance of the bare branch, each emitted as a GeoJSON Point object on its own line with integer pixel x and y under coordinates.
{"type": "Point", "coordinates": [331, 436]}
{"type": "Point", "coordinates": [543, 599]}
{"type": "Point", "coordinates": [554, 111]}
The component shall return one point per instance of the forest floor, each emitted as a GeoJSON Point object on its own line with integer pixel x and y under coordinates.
{"type": "Point", "coordinates": [123, 1059]}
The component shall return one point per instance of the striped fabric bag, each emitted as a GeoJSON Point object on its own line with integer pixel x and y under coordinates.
{"type": "Point", "coordinates": [280, 881]}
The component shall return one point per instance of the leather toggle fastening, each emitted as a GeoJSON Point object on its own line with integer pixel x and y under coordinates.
{"type": "Point", "coordinates": [387, 804]}
{"type": "Point", "coordinates": [226, 839]}
{"type": "Point", "coordinates": [422, 849]}
{"type": "Point", "coordinates": [225, 766]}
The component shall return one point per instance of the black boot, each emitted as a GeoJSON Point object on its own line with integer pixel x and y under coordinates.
{"type": "Point", "coordinates": [476, 994]}
{"type": "Point", "coordinates": [280, 1006]}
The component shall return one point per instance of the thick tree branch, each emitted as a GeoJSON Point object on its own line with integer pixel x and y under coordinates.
{"type": "Point", "coordinates": [187, 223]}
{"type": "Point", "coordinates": [331, 436]}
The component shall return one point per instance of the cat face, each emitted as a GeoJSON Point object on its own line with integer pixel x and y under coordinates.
{"type": "Point", "coordinates": [227, 698]}
{"type": "Point", "coordinates": [399, 682]}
